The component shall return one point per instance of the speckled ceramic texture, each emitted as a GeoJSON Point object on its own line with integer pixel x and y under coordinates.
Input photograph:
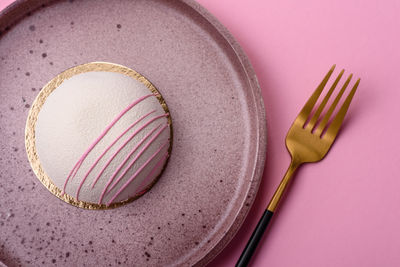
{"type": "Point", "coordinates": [219, 133]}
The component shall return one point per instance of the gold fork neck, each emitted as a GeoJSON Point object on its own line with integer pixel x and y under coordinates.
{"type": "Point", "coordinates": [294, 164]}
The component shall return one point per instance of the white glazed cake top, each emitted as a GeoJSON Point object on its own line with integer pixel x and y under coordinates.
{"type": "Point", "coordinates": [103, 134]}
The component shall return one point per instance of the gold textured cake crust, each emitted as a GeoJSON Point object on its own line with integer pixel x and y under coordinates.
{"type": "Point", "coordinates": [30, 142]}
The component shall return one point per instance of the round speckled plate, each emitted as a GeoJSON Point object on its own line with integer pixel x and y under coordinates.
{"type": "Point", "coordinates": [219, 132]}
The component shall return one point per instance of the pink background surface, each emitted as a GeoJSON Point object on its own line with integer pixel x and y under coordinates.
{"type": "Point", "coordinates": [344, 210]}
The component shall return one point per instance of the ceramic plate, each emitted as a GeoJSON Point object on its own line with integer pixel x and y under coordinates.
{"type": "Point", "coordinates": [219, 133]}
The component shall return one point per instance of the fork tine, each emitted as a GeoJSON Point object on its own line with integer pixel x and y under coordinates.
{"type": "Point", "coordinates": [311, 123]}
{"type": "Point", "coordinates": [324, 122]}
{"type": "Point", "coordinates": [306, 110]}
{"type": "Point", "coordinates": [333, 129]}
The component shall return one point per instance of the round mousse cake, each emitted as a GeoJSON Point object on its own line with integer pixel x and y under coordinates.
{"type": "Point", "coordinates": [98, 135]}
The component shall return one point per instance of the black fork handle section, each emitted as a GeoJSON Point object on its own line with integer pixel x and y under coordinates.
{"type": "Point", "coordinates": [254, 239]}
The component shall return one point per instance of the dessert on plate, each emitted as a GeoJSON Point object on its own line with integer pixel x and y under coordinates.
{"type": "Point", "coordinates": [98, 135]}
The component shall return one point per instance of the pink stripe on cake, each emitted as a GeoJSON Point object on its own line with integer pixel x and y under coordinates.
{"type": "Point", "coordinates": [105, 190]}
{"type": "Point", "coordinates": [76, 167]}
{"type": "Point", "coordinates": [136, 173]}
{"type": "Point", "coordinates": [131, 153]}
{"type": "Point", "coordinates": [130, 138]}
{"type": "Point", "coordinates": [109, 147]}
{"type": "Point", "coordinates": [137, 156]}
{"type": "Point", "coordinates": [116, 153]}
{"type": "Point", "coordinates": [144, 183]}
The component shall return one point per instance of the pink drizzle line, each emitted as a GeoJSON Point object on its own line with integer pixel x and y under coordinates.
{"type": "Point", "coordinates": [83, 157]}
{"type": "Point", "coordinates": [136, 173]}
{"type": "Point", "coordinates": [116, 153]}
{"type": "Point", "coordinates": [143, 184]}
{"type": "Point", "coordinates": [137, 156]}
{"type": "Point", "coordinates": [108, 148]}
{"type": "Point", "coordinates": [121, 147]}
{"type": "Point", "coordinates": [130, 154]}
{"type": "Point", "coordinates": [105, 190]}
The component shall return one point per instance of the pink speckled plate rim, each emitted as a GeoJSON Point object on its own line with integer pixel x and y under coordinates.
{"type": "Point", "coordinates": [12, 14]}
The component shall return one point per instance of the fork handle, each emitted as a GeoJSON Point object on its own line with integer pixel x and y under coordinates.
{"type": "Point", "coordinates": [266, 217]}
{"type": "Point", "coordinates": [255, 239]}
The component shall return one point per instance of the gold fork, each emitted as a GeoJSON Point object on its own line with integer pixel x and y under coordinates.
{"type": "Point", "coordinates": [309, 139]}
